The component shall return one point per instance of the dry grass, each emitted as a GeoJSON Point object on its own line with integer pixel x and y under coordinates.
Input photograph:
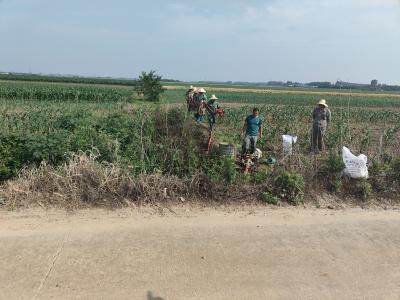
{"type": "Point", "coordinates": [82, 182]}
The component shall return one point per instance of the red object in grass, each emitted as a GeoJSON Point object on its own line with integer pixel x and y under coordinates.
{"type": "Point", "coordinates": [220, 111]}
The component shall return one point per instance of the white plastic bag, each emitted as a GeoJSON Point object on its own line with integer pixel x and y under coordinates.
{"type": "Point", "coordinates": [356, 166]}
{"type": "Point", "coordinates": [288, 142]}
{"type": "Point", "coordinates": [258, 153]}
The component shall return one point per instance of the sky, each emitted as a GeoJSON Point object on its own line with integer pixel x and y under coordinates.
{"type": "Point", "coordinates": [225, 40]}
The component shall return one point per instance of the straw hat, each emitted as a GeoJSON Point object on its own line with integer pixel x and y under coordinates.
{"type": "Point", "coordinates": [322, 102]}
{"type": "Point", "coordinates": [195, 90]}
{"type": "Point", "coordinates": [191, 88]}
{"type": "Point", "coordinates": [213, 97]}
{"type": "Point", "coordinates": [201, 90]}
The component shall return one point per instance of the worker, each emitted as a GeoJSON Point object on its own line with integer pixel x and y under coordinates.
{"type": "Point", "coordinates": [200, 98]}
{"type": "Point", "coordinates": [321, 118]}
{"type": "Point", "coordinates": [252, 131]}
{"type": "Point", "coordinates": [194, 105]}
{"type": "Point", "coordinates": [201, 110]}
{"type": "Point", "coordinates": [201, 95]}
{"type": "Point", "coordinates": [190, 97]}
{"type": "Point", "coordinates": [212, 107]}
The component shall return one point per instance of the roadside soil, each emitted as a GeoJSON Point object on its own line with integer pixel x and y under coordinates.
{"type": "Point", "coordinates": [188, 252]}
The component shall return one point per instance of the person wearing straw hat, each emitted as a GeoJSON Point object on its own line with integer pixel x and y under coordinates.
{"type": "Point", "coordinates": [201, 110]}
{"type": "Point", "coordinates": [199, 99]}
{"type": "Point", "coordinates": [321, 119]}
{"type": "Point", "coordinates": [212, 106]}
{"type": "Point", "coordinates": [201, 95]}
{"type": "Point", "coordinates": [190, 90]}
{"type": "Point", "coordinates": [195, 95]}
{"type": "Point", "coordinates": [190, 97]}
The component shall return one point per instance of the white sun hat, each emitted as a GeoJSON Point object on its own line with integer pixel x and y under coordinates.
{"type": "Point", "coordinates": [213, 97]}
{"type": "Point", "coordinates": [201, 90]}
{"type": "Point", "coordinates": [322, 102]}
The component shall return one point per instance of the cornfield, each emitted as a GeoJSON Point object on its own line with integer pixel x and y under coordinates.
{"type": "Point", "coordinates": [13, 91]}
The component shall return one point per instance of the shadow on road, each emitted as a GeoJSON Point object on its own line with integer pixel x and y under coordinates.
{"type": "Point", "coordinates": [151, 297]}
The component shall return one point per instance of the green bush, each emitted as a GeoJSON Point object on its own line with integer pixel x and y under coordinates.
{"type": "Point", "coordinates": [10, 160]}
{"type": "Point", "coordinates": [289, 186]}
{"type": "Point", "coordinates": [213, 166]}
{"type": "Point", "coordinates": [331, 171]}
{"type": "Point", "coordinates": [379, 172]}
{"type": "Point", "coordinates": [363, 188]}
{"type": "Point", "coordinates": [259, 177]}
{"type": "Point", "coordinates": [229, 170]}
{"type": "Point", "coordinates": [149, 86]}
{"type": "Point", "coordinates": [267, 197]}
{"type": "Point", "coordinates": [395, 168]}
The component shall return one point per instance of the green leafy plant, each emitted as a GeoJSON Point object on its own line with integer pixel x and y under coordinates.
{"type": "Point", "coordinates": [267, 197]}
{"type": "Point", "coordinates": [395, 168]}
{"type": "Point", "coordinates": [229, 170]}
{"type": "Point", "coordinates": [289, 185]}
{"type": "Point", "coordinates": [331, 171]}
{"type": "Point", "coordinates": [363, 188]}
{"type": "Point", "coordinates": [149, 86]}
{"type": "Point", "coordinates": [259, 177]}
{"type": "Point", "coordinates": [378, 175]}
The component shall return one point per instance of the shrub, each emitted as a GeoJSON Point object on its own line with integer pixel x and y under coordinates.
{"type": "Point", "coordinates": [68, 122]}
{"type": "Point", "coordinates": [10, 160]}
{"type": "Point", "coordinates": [395, 168]}
{"type": "Point", "coordinates": [213, 166]}
{"type": "Point", "coordinates": [378, 172]}
{"type": "Point", "coordinates": [259, 177]}
{"type": "Point", "coordinates": [229, 170]}
{"type": "Point", "coordinates": [289, 185]}
{"type": "Point", "coordinates": [363, 188]}
{"type": "Point", "coordinates": [331, 171]}
{"type": "Point", "coordinates": [149, 86]}
{"type": "Point", "coordinates": [269, 198]}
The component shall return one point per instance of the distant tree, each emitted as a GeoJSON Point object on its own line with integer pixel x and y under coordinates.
{"type": "Point", "coordinates": [374, 83]}
{"type": "Point", "coordinates": [149, 86]}
{"type": "Point", "coordinates": [289, 83]}
{"type": "Point", "coordinates": [320, 84]}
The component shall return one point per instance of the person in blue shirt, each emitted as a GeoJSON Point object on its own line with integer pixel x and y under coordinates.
{"type": "Point", "coordinates": [252, 130]}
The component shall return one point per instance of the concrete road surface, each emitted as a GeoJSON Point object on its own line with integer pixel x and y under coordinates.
{"type": "Point", "coordinates": [251, 253]}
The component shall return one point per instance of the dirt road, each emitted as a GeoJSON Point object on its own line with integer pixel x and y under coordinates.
{"type": "Point", "coordinates": [251, 253]}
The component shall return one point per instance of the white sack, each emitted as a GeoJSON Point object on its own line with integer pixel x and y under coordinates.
{"type": "Point", "coordinates": [288, 142]}
{"type": "Point", "coordinates": [356, 166]}
{"type": "Point", "coordinates": [258, 153]}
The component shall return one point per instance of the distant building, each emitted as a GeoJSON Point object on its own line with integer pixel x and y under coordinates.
{"type": "Point", "coordinates": [350, 85]}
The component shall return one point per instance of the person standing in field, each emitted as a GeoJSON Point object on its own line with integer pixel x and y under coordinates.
{"type": "Point", "coordinates": [201, 95]}
{"type": "Point", "coordinates": [190, 97]}
{"type": "Point", "coordinates": [252, 130]}
{"type": "Point", "coordinates": [200, 99]}
{"type": "Point", "coordinates": [200, 111]}
{"type": "Point", "coordinates": [321, 119]}
{"type": "Point", "coordinates": [212, 107]}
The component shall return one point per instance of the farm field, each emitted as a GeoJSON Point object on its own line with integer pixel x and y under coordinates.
{"type": "Point", "coordinates": [121, 82]}
{"type": "Point", "coordinates": [80, 91]}
{"type": "Point", "coordinates": [53, 123]}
